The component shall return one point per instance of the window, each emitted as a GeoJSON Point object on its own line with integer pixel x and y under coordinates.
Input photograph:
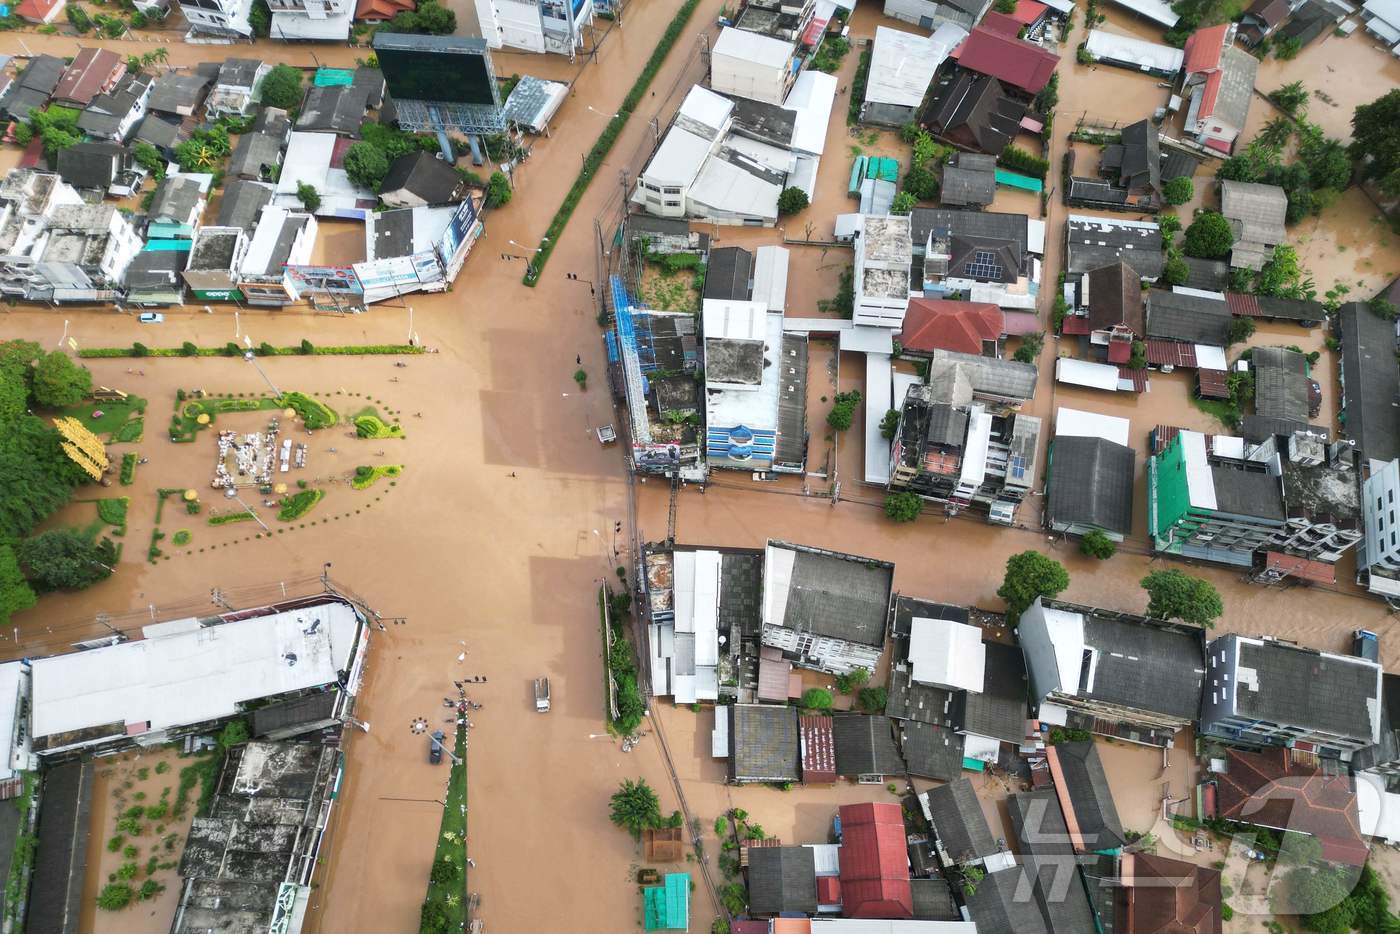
{"type": "Point", "coordinates": [673, 204]}
{"type": "Point", "coordinates": [671, 190]}
{"type": "Point", "coordinates": [1390, 496]}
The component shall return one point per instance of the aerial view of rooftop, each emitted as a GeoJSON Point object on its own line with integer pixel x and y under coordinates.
{"type": "Point", "coordinates": [802, 466]}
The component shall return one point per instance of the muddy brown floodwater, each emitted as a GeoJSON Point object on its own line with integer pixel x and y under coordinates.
{"type": "Point", "coordinates": [493, 541]}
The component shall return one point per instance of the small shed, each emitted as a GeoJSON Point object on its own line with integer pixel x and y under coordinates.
{"type": "Point", "coordinates": [663, 845]}
{"type": "Point", "coordinates": [667, 906]}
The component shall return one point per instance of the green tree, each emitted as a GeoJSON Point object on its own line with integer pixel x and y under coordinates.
{"type": "Point", "coordinates": [1286, 48]}
{"type": "Point", "coordinates": [1178, 190]}
{"type": "Point", "coordinates": [15, 593]}
{"type": "Point", "coordinates": [903, 507]}
{"type": "Point", "coordinates": [791, 201]}
{"type": "Point", "coordinates": [115, 896]}
{"type": "Point", "coordinates": [889, 424]}
{"type": "Point", "coordinates": [1174, 595]}
{"type": "Point", "coordinates": [1282, 275]}
{"type": "Point", "coordinates": [1030, 574]}
{"type": "Point", "coordinates": [436, 19]}
{"type": "Point", "coordinates": [65, 559]}
{"type": "Point", "coordinates": [1175, 271]}
{"type": "Point", "coordinates": [234, 733]}
{"type": "Point", "coordinates": [1327, 161]}
{"type": "Point", "coordinates": [1096, 544]}
{"type": "Point", "coordinates": [1137, 355]}
{"type": "Point", "coordinates": [921, 183]}
{"type": "Point", "coordinates": [281, 87]}
{"type": "Point", "coordinates": [1290, 98]}
{"type": "Point", "coordinates": [1241, 330]}
{"type": "Point", "coordinates": [1049, 95]}
{"type": "Point", "coordinates": [1005, 6]}
{"type": "Point", "coordinates": [903, 203]}
{"type": "Point", "coordinates": [872, 700]}
{"type": "Point", "coordinates": [39, 477]}
{"type": "Point", "coordinates": [260, 19]}
{"type": "Point", "coordinates": [816, 699]}
{"type": "Point", "coordinates": [366, 165]}
{"type": "Point", "coordinates": [59, 382]}
{"type": "Point", "coordinates": [1029, 351]}
{"type": "Point", "coordinates": [1375, 135]}
{"type": "Point", "coordinates": [843, 410]}
{"type": "Point", "coordinates": [635, 807]}
{"type": "Point", "coordinates": [498, 190]}
{"type": "Point", "coordinates": [1209, 236]}
{"type": "Point", "coordinates": [309, 197]}
{"type": "Point", "coordinates": [851, 680]}
{"type": "Point", "coordinates": [148, 157]}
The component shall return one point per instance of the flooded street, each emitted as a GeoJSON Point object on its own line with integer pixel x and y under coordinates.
{"type": "Point", "coordinates": [494, 540]}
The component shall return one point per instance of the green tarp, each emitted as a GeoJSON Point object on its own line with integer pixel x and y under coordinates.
{"type": "Point", "coordinates": [857, 174]}
{"type": "Point", "coordinates": [889, 170]}
{"type": "Point", "coordinates": [177, 246]}
{"type": "Point", "coordinates": [974, 765]}
{"type": "Point", "coordinates": [668, 906]}
{"type": "Point", "coordinates": [333, 77]}
{"type": "Point", "coordinates": [1023, 182]}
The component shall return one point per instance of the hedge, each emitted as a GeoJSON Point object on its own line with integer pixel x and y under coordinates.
{"type": "Point", "coordinates": [373, 427]}
{"type": "Point", "coordinates": [299, 504]}
{"type": "Point", "coordinates": [296, 350]}
{"type": "Point", "coordinates": [1022, 161]}
{"type": "Point", "coordinates": [605, 142]}
{"type": "Point", "coordinates": [314, 414]}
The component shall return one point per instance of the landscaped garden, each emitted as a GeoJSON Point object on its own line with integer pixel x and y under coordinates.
{"type": "Point", "coordinates": [445, 908]}
{"type": "Point", "coordinates": [119, 419]}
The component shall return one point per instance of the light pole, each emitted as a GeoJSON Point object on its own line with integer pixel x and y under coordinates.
{"type": "Point", "coordinates": [256, 518]}
{"type": "Point", "coordinates": [253, 359]}
{"type": "Point", "coordinates": [65, 334]}
{"type": "Point", "coordinates": [410, 325]}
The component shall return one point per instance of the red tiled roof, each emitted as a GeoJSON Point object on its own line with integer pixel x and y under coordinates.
{"type": "Point", "coordinates": [1003, 23]}
{"type": "Point", "coordinates": [1203, 48]}
{"type": "Point", "coordinates": [1209, 93]}
{"type": "Point", "coordinates": [1212, 384]}
{"type": "Point", "coordinates": [1220, 145]}
{"type": "Point", "coordinates": [934, 324]}
{"type": "Point", "coordinates": [748, 927]}
{"type": "Point", "coordinates": [1138, 377]}
{"type": "Point", "coordinates": [1007, 59]}
{"type": "Point", "coordinates": [818, 750]}
{"type": "Point", "coordinates": [1242, 305]}
{"type": "Point", "coordinates": [1075, 324]}
{"type": "Point", "coordinates": [874, 862]}
{"type": "Point", "coordinates": [382, 9]}
{"type": "Point", "coordinates": [1167, 896]}
{"type": "Point", "coordinates": [1028, 11]}
{"type": "Point", "coordinates": [92, 72]}
{"type": "Point", "coordinates": [1119, 351]}
{"type": "Point", "coordinates": [1271, 789]}
{"type": "Point", "coordinates": [36, 11]}
{"type": "Point", "coordinates": [1171, 353]}
{"type": "Point", "coordinates": [828, 890]}
{"type": "Point", "coordinates": [1319, 572]}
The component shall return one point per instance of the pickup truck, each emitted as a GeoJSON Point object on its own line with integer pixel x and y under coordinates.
{"type": "Point", "coordinates": [542, 695]}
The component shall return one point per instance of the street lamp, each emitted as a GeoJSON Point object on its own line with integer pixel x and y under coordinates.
{"type": "Point", "coordinates": [543, 241]}
{"type": "Point", "coordinates": [253, 359]}
{"type": "Point", "coordinates": [603, 114]}
{"type": "Point", "coordinates": [256, 518]}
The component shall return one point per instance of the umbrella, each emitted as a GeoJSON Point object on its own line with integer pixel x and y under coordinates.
{"type": "Point", "coordinates": [191, 495]}
{"type": "Point", "coordinates": [280, 488]}
{"type": "Point", "coordinates": [202, 418]}
{"type": "Point", "coordinates": [289, 412]}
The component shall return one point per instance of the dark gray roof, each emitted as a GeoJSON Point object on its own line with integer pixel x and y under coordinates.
{"type": "Point", "coordinates": [865, 745]}
{"type": "Point", "coordinates": [980, 225]}
{"type": "Point", "coordinates": [1086, 786]}
{"type": "Point", "coordinates": [1145, 666]}
{"type": "Point", "coordinates": [1115, 298]}
{"type": "Point", "coordinates": [763, 743]}
{"type": "Point", "coordinates": [782, 879]}
{"type": "Point", "coordinates": [288, 715]}
{"type": "Point", "coordinates": [1302, 687]}
{"type": "Point", "coordinates": [242, 202]}
{"type": "Point", "coordinates": [272, 121]}
{"type": "Point", "coordinates": [255, 154]}
{"type": "Point", "coordinates": [837, 595]}
{"type": "Point", "coordinates": [1098, 241]}
{"type": "Point", "coordinates": [791, 446]}
{"type": "Point", "coordinates": [906, 699]}
{"type": "Point", "coordinates": [933, 900]}
{"type": "Point", "coordinates": [1039, 823]}
{"type": "Point", "coordinates": [959, 822]}
{"type": "Point", "coordinates": [1294, 309]}
{"type": "Point", "coordinates": [337, 109]}
{"type": "Point", "coordinates": [963, 186]}
{"type": "Point", "coordinates": [393, 233]}
{"type": "Point", "coordinates": [1192, 319]}
{"type": "Point", "coordinates": [174, 199]}
{"type": "Point", "coordinates": [57, 882]}
{"type": "Point", "coordinates": [1280, 383]}
{"type": "Point", "coordinates": [975, 110]}
{"type": "Point", "coordinates": [1004, 903]}
{"type": "Point", "coordinates": [426, 176]}
{"type": "Point", "coordinates": [741, 591]}
{"type": "Point", "coordinates": [1091, 483]}
{"type": "Point", "coordinates": [988, 375]}
{"type": "Point", "coordinates": [239, 72]}
{"type": "Point", "coordinates": [1387, 750]}
{"type": "Point", "coordinates": [767, 123]}
{"type": "Point", "coordinates": [1211, 275]}
{"type": "Point", "coordinates": [728, 273]}
{"type": "Point", "coordinates": [1178, 164]}
{"type": "Point", "coordinates": [1243, 492]}
{"type": "Point", "coordinates": [906, 608]}
{"type": "Point", "coordinates": [999, 710]}
{"type": "Point", "coordinates": [372, 81]}
{"type": "Point", "coordinates": [91, 165]}
{"type": "Point", "coordinates": [931, 751]}
{"type": "Point", "coordinates": [156, 270]}
{"type": "Point", "coordinates": [1370, 382]}
{"type": "Point", "coordinates": [103, 116]}
{"type": "Point", "coordinates": [32, 87]}
{"type": "Point", "coordinates": [174, 91]}
{"type": "Point", "coordinates": [1140, 159]}
{"type": "Point", "coordinates": [1256, 428]}
{"type": "Point", "coordinates": [162, 134]}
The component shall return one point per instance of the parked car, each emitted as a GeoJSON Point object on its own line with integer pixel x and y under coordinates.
{"type": "Point", "coordinates": [435, 747]}
{"type": "Point", "coordinates": [542, 695]}
{"type": "Point", "coordinates": [1365, 644]}
{"type": "Point", "coordinates": [151, 317]}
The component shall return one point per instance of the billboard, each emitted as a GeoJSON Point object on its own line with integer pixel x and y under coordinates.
{"type": "Point", "coordinates": [325, 279]}
{"type": "Point", "coordinates": [448, 69]}
{"type": "Point", "coordinates": [457, 239]}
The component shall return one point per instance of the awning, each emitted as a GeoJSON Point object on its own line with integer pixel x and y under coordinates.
{"type": "Point", "coordinates": [1293, 566]}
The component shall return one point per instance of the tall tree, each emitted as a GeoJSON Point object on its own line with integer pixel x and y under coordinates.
{"type": "Point", "coordinates": [1174, 595]}
{"type": "Point", "coordinates": [1209, 236]}
{"type": "Point", "coordinates": [281, 87]}
{"type": "Point", "coordinates": [65, 559]}
{"type": "Point", "coordinates": [59, 382]}
{"type": "Point", "coordinates": [15, 592]}
{"type": "Point", "coordinates": [1030, 574]}
{"type": "Point", "coordinates": [1375, 134]}
{"type": "Point", "coordinates": [635, 807]}
{"type": "Point", "coordinates": [38, 476]}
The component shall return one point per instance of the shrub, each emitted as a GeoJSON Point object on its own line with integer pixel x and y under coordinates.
{"type": "Point", "coordinates": [309, 197]}
{"type": "Point", "coordinates": [843, 411]}
{"type": "Point", "coordinates": [498, 191]}
{"type": "Point", "coordinates": [872, 700]}
{"type": "Point", "coordinates": [116, 895]}
{"type": "Point", "coordinates": [581, 377]}
{"type": "Point", "coordinates": [128, 470]}
{"type": "Point", "coordinates": [139, 349]}
{"type": "Point", "coordinates": [444, 871]}
{"type": "Point", "coordinates": [315, 415]}
{"type": "Point", "coordinates": [1029, 349]}
{"type": "Point", "coordinates": [903, 507]}
{"type": "Point", "coordinates": [182, 537]}
{"type": "Point", "coordinates": [816, 699]}
{"type": "Point", "coordinates": [1096, 544]}
{"type": "Point", "coordinates": [903, 203]}
{"type": "Point", "coordinates": [791, 201]}
{"type": "Point", "coordinates": [149, 890]}
{"type": "Point", "coordinates": [281, 87]}
{"type": "Point", "coordinates": [1175, 271]}
{"type": "Point", "coordinates": [113, 512]}
{"type": "Point", "coordinates": [371, 426]}
{"type": "Point", "coordinates": [306, 347]}
{"type": "Point", "coordinates": [1241, 330]}
{"type": "Point", "coordinates": [1178, 190]}
{"type": "Point", "coordinates": [1022, 161]}
{"type": "Point", "coordinates": [188, 349]}
{"type": "Point", "coordinates": [266, 350]}
{"type": "Point", "coordinates": [889, 424]}
{"type": "Point", "coordinates": [299, 504]}
{"type": "Point", "coordinates": [851, 680]}
{"type": "Point", "coordinates": [920, 184]}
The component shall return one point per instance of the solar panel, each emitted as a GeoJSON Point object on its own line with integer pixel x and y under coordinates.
{"type": "Point", "coordinates": [1016, 466]}
{"type": "Point", "coordinates": [984, 265]}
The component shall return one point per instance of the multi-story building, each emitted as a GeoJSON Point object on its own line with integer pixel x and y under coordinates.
{"type": "Point", "coordinates": [27, 198]}
{"type": "Point", "coordinates": [752, 65]}
{"type": "Point", "coordinates": [325, 20]}
{"type": "Point", "coordinates": [884, 256]}
{"type": "Point", "coordinates": [225, 19]}
{"type": "Point", "coordinates": [86, 252]}
{"type": "Point", "coordinates": [824, 609]}
{"type": "Point", "coordinates": [781, 19]}
{"type": "Point", "coordinates": [535, 25]}
{"type": "Point", "coordinates": [929, 14]}
{"type": "Point", "coordinates": [981, 256]}
{"type": "Point", "coordinates": [282, 238]}
{"type": "Point", "coordinates": [698, 129]}
{"type": "Point", "coordinates": [215, 257]}
{"type": "Point", "coordinates": [1262, 692]}
{"type": "Point", "coordinates": [1297, 497]}
{"type": "Point", "coordinates": [1378, 555]}
{"type": "Point", "coordinates": [113, 114]}
{"type": "Point", "coordinates": [964, 456]}
{"type": "Point", "coordinates": [1115, 674]}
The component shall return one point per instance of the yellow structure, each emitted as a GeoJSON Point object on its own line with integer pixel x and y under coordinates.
{"type": "Point", "coordinates": [82, 446]}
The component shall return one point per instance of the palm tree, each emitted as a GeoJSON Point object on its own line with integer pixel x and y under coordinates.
{"type": "Point", "coordinates": [635, 807]}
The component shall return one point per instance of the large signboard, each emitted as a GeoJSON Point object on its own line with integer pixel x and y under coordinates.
{"type": "Point", "coordinates": [456, 241]}
{"type": "Point", "coordinates": [406, 273]}
{"type": "Point", "coordinates": [448, 69]}
{"type": "Point", "coordinates": [325, 279]}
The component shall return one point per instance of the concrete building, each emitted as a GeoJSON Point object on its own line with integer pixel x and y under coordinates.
{"type": "Point", "coordinates": [535, 25]}
{"type": "Point", "coordinates": [220, 19]}
{"type": "Point", "coordinates": [1092, 242]}
{"type": "Point", "coordinates": [981, 256]}
{"type": "Point", "coordinates": [1262, 692]}
{"type": "Point", "coordinates": [281, 239]}
{"type": "Point", "coordinates": [90, 73]}
{"type": "Point", "coordinates": [215, 257]}
{"type": "Point", "coordinates": [964, 456]}
{"type": "Point", "coordinates": [177, 207]}
{"type": "Point", "coordinates": [1378, 555]}
{"type": "Point", "coordinates": [113, 114]}
{"type": "Point", "coordinates": [1090, 475]}
{"type": "Point", "coordinates": [747, 64]}
{"type": "Point", "coordinates": [902, 66]}
{"type": "Point", "coordinates": [1114, 674]}
{"type": "Point", "coordinates": [1113, 48]}
{"type": "Point", "coordinates": [87, 250]}
{"type": "Point", "coordinates": [1382, 20]}
{"type": "Point", "coordinates": [884, 257]}
{"type": "Point", "coordinates": [825, 610]}
{"type": "Point", "coordinates": [790, 20]}
{"type": "Point", "coordinates": [316, 20]}
{"type": "Point", "coordinates": [28, 198]}
{"type": "Point", "coordinates": [700, 125]}
{"type": "Point", "coordinates": [1245, 504]}
{"type": "Point", "coordinates": [930, 14]}
{"type": "Point", "coordinates": [236, 84]}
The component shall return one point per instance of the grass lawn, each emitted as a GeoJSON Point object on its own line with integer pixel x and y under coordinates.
{"type": "Point", "coordinates": [1222, 410]}
{"type": "Point", "coordinates": [365, 477]}
{"type": "Point", "coordinates": [114, 417]}
{"type": "Point", "coordinates": [444, 908]}
{"type": "Point", "coordinates": [184, 425]}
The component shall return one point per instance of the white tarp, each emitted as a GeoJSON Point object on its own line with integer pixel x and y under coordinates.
{"type": "Point", "coordinates": [1076, 423]}
{"type": "Point", "coordinates": [947, 654]}
{"type": "Point", "coordinates": [1149, 56]}
{"type": "Point", "coordinates": [1209, 357]}
{"type": "Point", "coordinates": [1087, 373]}
{"type": "Point", "coordinates": [877, 403]}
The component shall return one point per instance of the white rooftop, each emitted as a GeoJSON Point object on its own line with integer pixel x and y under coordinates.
{"type": "Point", "coordinates": [191, 676]}
{"type": "Point", "coordinates": [1156, 10]}
{"type": "Point", "coordinates": [1200, 483]}
{"type": "Point", "coordinates": [308, 161]}
{"type": "Point", "coordinates": [1146, 55]}
{"type": "Point", "coordinates": [754, 407]}
{"type": "Point", "coordinates": [1076, 423]}
{"type": "Point", "coordinates": [706, 108]}
{"type": "Point", "coordinates": [13, 741]}
{"type": "Point", "coordinates": [879, 399]}
{"type": "Point", "coordinates": [678, 158]}
{"type": "Point", "coordinates": [1086, 373]}
{"type": "Point", "coordinates": [811, 97]}
{"type": "Point", "coordinates": [729, 189]}
{"type": "Point", "coordinates": [902, 64]}
{"type": "Point", "coordinates": [753, 47]}
{"type": "Point", "coordinates": [770, 276]}
{"type": "Point", "coordinates": [947, 654]}
{"type": "Point", "coordinates": [336, 26]}
{"type": "Point", "coordinates": [733, 319]}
